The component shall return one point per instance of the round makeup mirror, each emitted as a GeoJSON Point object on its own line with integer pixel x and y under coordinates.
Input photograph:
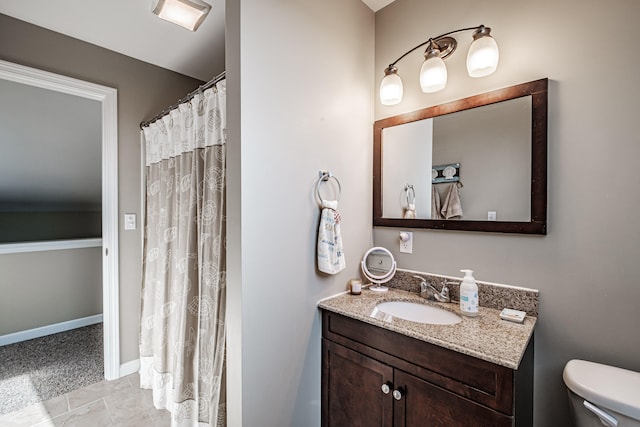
{"type": "Point", "coordinates": [378, 266]}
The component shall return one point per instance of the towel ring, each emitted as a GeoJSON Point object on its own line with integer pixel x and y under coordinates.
{"type": "Point", "coordinates": [324, 177]}
{"type": "Point", "coordinates": [410, 193]}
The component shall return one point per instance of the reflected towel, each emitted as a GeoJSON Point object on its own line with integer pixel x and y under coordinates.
{"type": "Point", "coordinates": [452, 208]}
{"type": "Point", "coordinates": [330, 253]}
{"type": "Point", "coordinates": [410, 211]}
{"type": "Point", "coordinates": [435, 204]}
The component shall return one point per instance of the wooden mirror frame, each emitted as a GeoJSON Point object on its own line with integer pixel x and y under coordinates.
{"type": "Point", "coordinates": [538, 91]}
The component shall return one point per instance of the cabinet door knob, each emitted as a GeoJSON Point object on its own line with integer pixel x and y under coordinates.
{"type": "Point", "coordinates": [397, 394]}
{"type": "Point", "coordinates": [385, 388]}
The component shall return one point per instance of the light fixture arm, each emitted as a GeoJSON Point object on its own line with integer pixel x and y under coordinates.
{"type": "Point", "coordinates": [480, 28]}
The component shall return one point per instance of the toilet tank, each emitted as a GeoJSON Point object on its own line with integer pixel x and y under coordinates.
{"type": "Point", "coordinates": [602, 395]}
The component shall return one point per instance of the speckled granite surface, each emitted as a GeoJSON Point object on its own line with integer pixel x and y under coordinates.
{"type": "Point", "coordinates": [486, 336]}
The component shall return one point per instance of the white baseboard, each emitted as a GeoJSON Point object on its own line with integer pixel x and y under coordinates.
{"type": "Point", "coordinates": [49, 329]}
{"type": "Point", "coordinates": [129, 368]}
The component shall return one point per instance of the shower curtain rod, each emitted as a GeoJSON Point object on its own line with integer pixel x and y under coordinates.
{"type": "Point", "coordinates": [184, 99]}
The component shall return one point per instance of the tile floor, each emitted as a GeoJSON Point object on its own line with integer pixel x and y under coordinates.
{"type": "Point", "coordinates": [108, 403]}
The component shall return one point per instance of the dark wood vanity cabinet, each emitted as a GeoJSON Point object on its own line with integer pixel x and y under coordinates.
{"type": "Point", "coordinates": [374, 377]}
{"type": "Point", "coordinates": [352, 394]}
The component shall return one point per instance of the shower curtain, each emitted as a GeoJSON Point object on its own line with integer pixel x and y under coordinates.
{"type": "Point", "coordinates": [182, 331]}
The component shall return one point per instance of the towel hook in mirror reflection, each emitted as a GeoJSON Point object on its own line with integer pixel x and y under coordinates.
{"type": "Point", "coordinates": [325, 176]}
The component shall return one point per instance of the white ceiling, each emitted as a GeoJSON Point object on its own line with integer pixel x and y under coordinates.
{"type": "Point", "coordinates": [129, 27]}
{"type": "Point", "coordinates": [376, 5]}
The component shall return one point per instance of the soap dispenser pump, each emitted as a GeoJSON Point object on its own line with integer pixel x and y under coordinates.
{"type": "Point", "coordinates": [468, 294]}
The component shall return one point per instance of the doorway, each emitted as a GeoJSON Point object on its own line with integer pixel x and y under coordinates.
{"type": "Point", "coordinates": [107, 97]}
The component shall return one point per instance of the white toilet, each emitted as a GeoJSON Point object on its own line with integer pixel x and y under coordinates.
{"type": "Point", "coordinates": [602, 395]}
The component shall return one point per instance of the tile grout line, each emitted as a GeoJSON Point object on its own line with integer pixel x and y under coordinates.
{"type": "Point", "coordinates": [85, 405]}
{"type": "Point", "coordinates": [81, 407]}
{"type": "Point", "coordinates": [106, 405]}
{"type": "Point", "coordinates": [66, 399]}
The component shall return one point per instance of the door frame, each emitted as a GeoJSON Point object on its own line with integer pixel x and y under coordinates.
{"type": "Point", "coordinates": [108, 97]}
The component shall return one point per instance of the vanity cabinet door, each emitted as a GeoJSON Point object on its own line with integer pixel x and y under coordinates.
{"type": "Point", "coordinates": [352, 389]}
{"type": "Point", "coordinates": [424, 404]}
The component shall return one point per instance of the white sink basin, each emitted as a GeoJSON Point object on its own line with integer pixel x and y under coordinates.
{"type": "Point", "coordinates": [416, 312]}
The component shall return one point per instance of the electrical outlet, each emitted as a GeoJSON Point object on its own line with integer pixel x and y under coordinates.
{"type": "Point", "coordinates": [406, 242]}
{"type": "Point", "coordinates": [129, 221]}
{"type": "Point", "coordinates": [491, 216]}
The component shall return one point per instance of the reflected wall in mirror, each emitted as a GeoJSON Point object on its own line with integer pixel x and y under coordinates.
{"type": "Point", "coordinates": [498, 143]}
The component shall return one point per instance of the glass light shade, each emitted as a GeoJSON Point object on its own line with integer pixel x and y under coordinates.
{"type": "Point", "coordinates": [391, 89]}
{"type": "Point", "coordinates": [188, 14]}
{"type": "Point", "coordinates": [483, 57]}
{"type": "Point", "coordinates": [433, 75]}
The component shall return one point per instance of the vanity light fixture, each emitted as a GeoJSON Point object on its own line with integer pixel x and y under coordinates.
{"type": "Point", "coordinates": [188, 14]}
{"type": "Point", "coordinates": [482, 60]}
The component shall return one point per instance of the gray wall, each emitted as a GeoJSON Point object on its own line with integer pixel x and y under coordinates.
{"type": "Point", "coordinates": [43, 288]}
{"type": "Point", "coordinates": [29, 226]}
{"type": "Point", "coordinates": [586, 267]}
{"type": "Point", "coordinates": [300, 89]}
{"type": "Point", "coordinates": [143, 91]}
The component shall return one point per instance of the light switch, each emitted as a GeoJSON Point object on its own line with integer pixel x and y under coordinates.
{"type": "Point", "coordinates": [129, 221]}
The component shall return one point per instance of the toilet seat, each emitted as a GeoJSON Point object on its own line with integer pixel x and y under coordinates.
{"type": "Point", "coordinates": [607, 386]}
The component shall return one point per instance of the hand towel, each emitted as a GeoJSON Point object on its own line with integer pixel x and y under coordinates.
{"type": "Point", "coordinates": [330, 253]}
{"type": "Point", "coordinates": [452, 209]}
{"type": "Point", "coordinates": [410, 211]}
{"type": "Point", "coordinates": [435, 204]}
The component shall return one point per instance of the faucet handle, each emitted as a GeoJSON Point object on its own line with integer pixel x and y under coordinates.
{"type": "Point", "coordinates": [423, 283]}
{"type": "Point", "coordinates": [445, 290]}
{"type": "Point", "coordinates": [445, 287]}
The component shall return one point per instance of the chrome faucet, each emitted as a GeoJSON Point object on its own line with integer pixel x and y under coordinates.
{"type": "Point", "coordinates": [430, 293]}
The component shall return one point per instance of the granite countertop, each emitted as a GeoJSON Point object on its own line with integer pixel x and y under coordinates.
{"type": "Point", "coordinates": [485, 337]}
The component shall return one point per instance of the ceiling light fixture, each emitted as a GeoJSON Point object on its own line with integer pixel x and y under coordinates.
{"type": "Point", "coordinates": [482, 60]}
{"type": "Point", "coordinates": [188, 14]}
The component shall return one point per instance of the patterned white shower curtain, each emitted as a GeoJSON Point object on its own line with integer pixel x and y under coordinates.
{"type": "Point", "coordinates": [182, 331]}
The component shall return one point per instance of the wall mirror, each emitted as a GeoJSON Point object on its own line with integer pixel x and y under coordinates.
{"type": "Point", "coordinates": [476, 164]}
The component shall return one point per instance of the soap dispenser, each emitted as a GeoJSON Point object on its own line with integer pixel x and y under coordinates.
{"type": "Point", "coordinates": [468, 294]}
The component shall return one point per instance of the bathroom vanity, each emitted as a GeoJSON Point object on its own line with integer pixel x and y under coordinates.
{"type": "Point", "coordinates": [382, 371]}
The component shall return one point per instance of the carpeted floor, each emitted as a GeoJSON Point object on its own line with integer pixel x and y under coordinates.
{"type": "Point", "coordinates": [40, 369]}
